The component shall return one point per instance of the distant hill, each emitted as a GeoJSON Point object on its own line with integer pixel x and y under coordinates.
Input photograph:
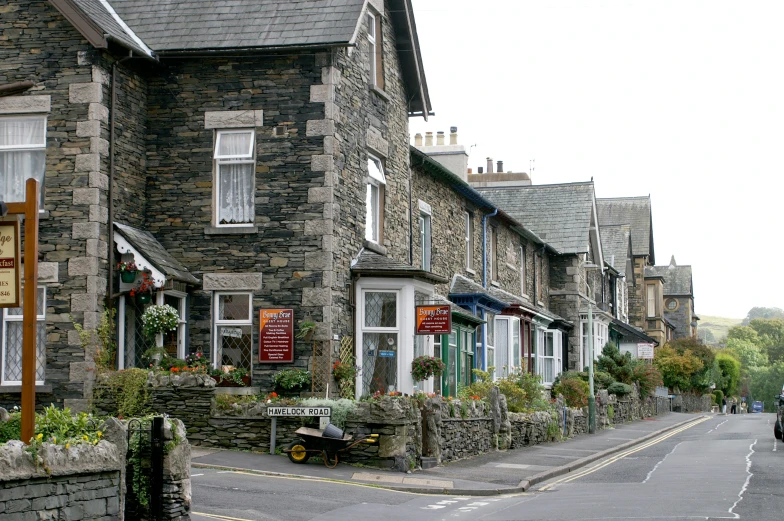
{"type": "Point", "coordinates": [713, 329]}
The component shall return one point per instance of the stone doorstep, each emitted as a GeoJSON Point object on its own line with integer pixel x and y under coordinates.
{"type": "Point", "coordinates": [389, 478]}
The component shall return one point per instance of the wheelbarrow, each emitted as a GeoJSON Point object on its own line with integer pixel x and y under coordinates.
{"type": "Point", "coordinates": [313, 441]}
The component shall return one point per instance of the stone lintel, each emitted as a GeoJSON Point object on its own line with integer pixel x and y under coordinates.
{"type": "Point", "coordinates": [25, 104]}
{"type": "Point", "coordinates": [233, 119]}
{"type": "Point", "coordinates": [376, 142]}
{"type": "Point", "coordinates": [231, 281]}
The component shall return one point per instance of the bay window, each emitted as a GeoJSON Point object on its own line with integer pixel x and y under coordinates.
{"type": "Point", "coordinates": [22, 155]}
{"type": "Point", "coordinates": [548, 355]}
{"type": "Point", "coordinates": [235, 163]}
{"type": "Point", "coordinates": [380, 335]}
{"type": "Point", "coordinates": [507, 345]}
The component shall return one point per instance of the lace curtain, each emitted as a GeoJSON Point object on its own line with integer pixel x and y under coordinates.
{"type": "Point", "coordinates": [237, 190]}
{"type": "Point", "coordinates": [19, 160]}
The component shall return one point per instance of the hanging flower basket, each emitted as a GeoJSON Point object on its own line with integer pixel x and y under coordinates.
{"type": "Point", "coordinates": [127, 271]}
{"type": "Point", "coordinates": [143, 291]}
{"type": "Point", "coordinates": [144, 298]}
{"type": "Point", "coordinates": [128, 276]}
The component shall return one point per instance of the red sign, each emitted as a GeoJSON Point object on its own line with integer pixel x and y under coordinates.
{"type": "Point", "coordinates": [276, 335]}
{"type": "Point", "coordinates": [433, 320]}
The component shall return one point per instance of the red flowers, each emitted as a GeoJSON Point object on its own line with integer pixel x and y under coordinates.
{"type": "Point", "coordinates": [146, 285]}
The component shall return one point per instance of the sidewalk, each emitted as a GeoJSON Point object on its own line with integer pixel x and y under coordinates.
{"type": "Point", "coordinates": [487, 474]}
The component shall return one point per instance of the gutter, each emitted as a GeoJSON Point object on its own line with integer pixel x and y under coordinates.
{"type": "Point", "coordinates": [249, 51]}
{"type": "Point", "coordinates": [484, 248]}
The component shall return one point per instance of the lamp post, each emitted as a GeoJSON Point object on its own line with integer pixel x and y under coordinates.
{"type": "Point", "coordinates": [591, 395]}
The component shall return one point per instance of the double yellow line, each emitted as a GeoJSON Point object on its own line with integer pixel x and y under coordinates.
{"type": "Point", "coordinates": [621, 455]}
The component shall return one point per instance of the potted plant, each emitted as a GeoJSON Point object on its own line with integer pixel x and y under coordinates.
{"type": "Point", "coordinates": [154, 355]}
{"type": "Point", "coordinates": [127, 271]}
{"type": "Point", "coordinates": [143, 292]}
{"type": "Point", "coordinates": [423, 367]}
{"type": "Point", "coordinates": [159, 319]}
{"type": "Point", "coordinates": [345, 373]}
{"type": "Point", "coordinates": [292, 380]}
{"type": "Point", "coordinates": [306, 330]}
{"type": "Point", "coordinates": [230, 376]}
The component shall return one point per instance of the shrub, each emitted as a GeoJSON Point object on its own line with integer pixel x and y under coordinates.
{"type": "Point", "coordinates": [11, 429]}
{"type": "Point", "coordinates": [291, 378]}
{"type": "Point", "coordinates": [677, 369]}
{"type": "Point", "coordinates": [574, 390]}
{"type": "Point", "coordinates": [730, 372]}
{"type": "Point", "coordinates": [619, 365]}
{"type": "Point", "coordinates": [341, 408]}
{"type": "Point", "coordinates": [620, 389]}
{"type": "Point", "coordinates": [718, 395]}
{"type": "Point", "coordinates": [648, 376]}
{"type": "Point", "coordinates": [516, 398]}
{"type": "Point", "coordinates": [128, 392]}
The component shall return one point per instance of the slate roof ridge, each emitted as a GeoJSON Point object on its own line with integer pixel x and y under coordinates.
{"type": "Point", "coordinates": [629, 198]}
{"type": "Point", "coordinates": [528, 187]}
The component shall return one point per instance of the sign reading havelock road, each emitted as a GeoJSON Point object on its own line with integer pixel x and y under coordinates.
{"type": "Point", "coordinates": [276, 335]}
{"type": "Point", "coordinates": [433, 320]}
{"type": "Point", "coordinates": [10, 267]}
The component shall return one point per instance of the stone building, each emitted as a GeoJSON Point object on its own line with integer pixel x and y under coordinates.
{"type": "Point", "coordinates": [678, 295]}
{"type": "Point", "coordinates": [240, 169]}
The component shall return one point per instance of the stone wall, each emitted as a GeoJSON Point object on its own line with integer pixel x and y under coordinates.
{"type": "Point", "coordinates": [691, 403]}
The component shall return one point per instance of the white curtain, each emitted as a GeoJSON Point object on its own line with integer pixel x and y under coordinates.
{"type": "Point", "coordinates": [237, 190]}
{"type": "Point", "coordinates": [18, 161]}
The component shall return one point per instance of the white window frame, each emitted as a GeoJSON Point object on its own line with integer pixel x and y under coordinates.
{"type": "Point", "coordinates": [183, 319]}
{"type": "Point", "coordinates": [650, 294]}
{"type": "Point", "coordinates": [555, 357]}
{"type": "Point", "coordinates": [376, 178]}
{"type": "Point", "coordinates": [379, 329]}
{"type": "Point", "coordinates": [512, 325]}
{"type": "Point", "coordinates": [30, 147]}
{"type": "Point", "coordinates": [489, 348]}
{"type": "Point", "coordinates": [469, 240]}
{"type": "Point", "coordinates": [218, 322]}
{"type": "Point", "coordinates": [40, 318]}
{"type": "Point", "coordinates": [245, 158]}
{"type": "Point", "coordinates": [426, 238]}
{"type": "Point", "coordinates": [372, 41]}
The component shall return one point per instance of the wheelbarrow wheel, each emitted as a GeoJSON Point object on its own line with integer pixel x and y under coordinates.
{"type": "Point", "coordinates": [297, 452]}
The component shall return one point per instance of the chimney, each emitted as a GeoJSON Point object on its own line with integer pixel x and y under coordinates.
{"type": "Point", "coordinates": [428, 139]}
{"type": "Point", "coordinates": [480, 170]}
{"type": "Point", "coordinates": [500, 167]}
{"type": "Point", "coordinates": [418, 140]}
{"type": "Point", "coordinates": [489, 165]}
{"type": "Point", "coordinates": [453, 135]}
{"type": "Point", "coordinates": [469, 171]}
{"type": "Point", "coordinates": [440, 138]}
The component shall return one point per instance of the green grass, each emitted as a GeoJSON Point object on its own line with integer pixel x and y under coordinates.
{"type": "Point", "coordinates": [718, 326]}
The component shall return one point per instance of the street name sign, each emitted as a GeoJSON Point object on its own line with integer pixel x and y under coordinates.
{"type": "Point", "coordinates": [299, 411]}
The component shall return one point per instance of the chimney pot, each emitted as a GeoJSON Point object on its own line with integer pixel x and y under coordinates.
{"type": "Point", "coordinates": [480, 170]}
{"type": "Point", "coordinates": [469, 171]}
{"type": "Point", "coordinates": [500, 167]}
{"type": "Point", "coordinates": [453, 135]}
{"type": "Point", "coordinates": [428, 139]}
{"type": "Point", "coordinates": [417, 139]}
{"type": "Point", "coordinates": [440, 138]}
{"type": "Point", "coordinates": [489, 165]}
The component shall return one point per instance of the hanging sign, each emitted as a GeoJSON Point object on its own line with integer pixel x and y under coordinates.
{"type": "Point", "coordinates": [276, 335]}
{"type": "Point", "coordinates": [10, 267]}
{"type": "Point", "coordinates": [645, 351]}
{"type": "Point", "coordinates": [433, 320]}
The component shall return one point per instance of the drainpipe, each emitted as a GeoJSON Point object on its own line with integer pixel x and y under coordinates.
{"type": "Point", "coordinates": [484, 248]}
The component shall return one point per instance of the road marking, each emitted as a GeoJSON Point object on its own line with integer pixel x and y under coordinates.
{"type": "Point", "coordinates": [563, 448]}
{"type": "Point", "coordinates": [519, 466]}
{"type": "Point", "coordinates": [216, 516]}
{"type": "Point", "coordinates": [322, 480]}
{"type": "Point", "coordinates": [748, 479]}
{"type": "Point", "coordinates": [659, 463]}
{"type": "Point", "coordinates": [622, 455]}
{"type": "Point", "coordinates": [194, 475]}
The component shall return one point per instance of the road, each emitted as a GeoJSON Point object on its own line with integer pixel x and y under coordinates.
{"type": "Point", "coordinates": [726, 467]}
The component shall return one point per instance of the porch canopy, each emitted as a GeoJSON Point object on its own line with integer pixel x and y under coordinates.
{"type": "Point", "coordinates": [149, 254]}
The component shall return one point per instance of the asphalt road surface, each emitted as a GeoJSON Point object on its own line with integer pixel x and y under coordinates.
{"type": "Point", "coordinates": [726, 467]}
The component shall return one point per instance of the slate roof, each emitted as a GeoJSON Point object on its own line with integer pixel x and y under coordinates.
{"type": "Point", "coordinates": [560, 214]}
{"type": "Point", "coordinates": [634, 211]}
{"type": "Point", "coordinates": [464, 286]}
{"type": "Point", "coordinates": [628, 330]}
{"type": "Point", "coordinates": [167, 25]}
{"type": "Point", "coordinates": [371, 263]}
{"type": "Point", "coordinates": [146, 244]}
{"type": "Point", "coordinates": [99, 13]}
{"type": "Point", "coordinates": [615, 245]}
{"type": "Point", "coordinates": [677, 279]}
{"type": "Point", "coordinates": [457, 310]}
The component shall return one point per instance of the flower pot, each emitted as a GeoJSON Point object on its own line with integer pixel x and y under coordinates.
{"type": "Point", "coordinates": [144, 298]}
{"type": "Point", "coordinates": [128, 276]}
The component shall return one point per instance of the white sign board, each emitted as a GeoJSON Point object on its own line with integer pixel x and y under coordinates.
{"type": "Point", "coordinates": [299, 411]}
{"type": "Point", "coordinates": [10, 267]}
{"type": "Point", "coordinates": [645, 351]}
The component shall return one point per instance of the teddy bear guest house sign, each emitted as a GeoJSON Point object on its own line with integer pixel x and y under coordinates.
{"type": "Point", "coordinates": [10, 272]}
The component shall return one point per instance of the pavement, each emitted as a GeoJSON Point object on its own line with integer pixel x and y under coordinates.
{"type": "Point", "coordinates": [500, 472]}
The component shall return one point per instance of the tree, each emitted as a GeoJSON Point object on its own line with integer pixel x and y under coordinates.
{"type": "Point", "coordinates": [677, 369]}
{"type": "Point", "coordinates": [766, 384]}
{"type": "Point", "coordinates": [619, 365]}
{"type": "Point", "coordinates": [729, 368]}
{"type": "Point", "coordinates": [702, 378]}
{"type": "Point", "coordinates": [744, 333]}
{"type": "Point", "coordinates": [771, 334]}
{"type": "Point", "coordinates": [761, 312]}
{"type": "Point", "coordinates": [750, 354]}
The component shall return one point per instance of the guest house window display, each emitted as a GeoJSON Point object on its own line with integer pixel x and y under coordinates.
{"type": "Point", "coordinates": [380, 336]}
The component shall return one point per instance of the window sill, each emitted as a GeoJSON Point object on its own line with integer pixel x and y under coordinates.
{"type": "Point", "coordinates": [379, 92]}
{"type": "Point", "coordinates": [469, 270]}
{"type": "Point", "coordinates": [375, 247]}
{"type": "Point", "coordinates": [495, 283]}
{"type": "Point", "coordinates": [230, 230]}
{"type": "Point", "coordinates": [17, 389]}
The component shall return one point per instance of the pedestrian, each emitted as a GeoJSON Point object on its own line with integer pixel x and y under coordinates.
{"type": "Point", "coordinates": [734, 407]}
{"type": "Point", "coordinates": [724, 405]}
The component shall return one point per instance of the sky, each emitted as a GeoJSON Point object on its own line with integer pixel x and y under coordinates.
{"type": "Point", "coordinates": [682, 100]}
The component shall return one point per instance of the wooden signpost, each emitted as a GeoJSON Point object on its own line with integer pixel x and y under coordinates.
{"type": "Point", "coordinates": [28, 208]}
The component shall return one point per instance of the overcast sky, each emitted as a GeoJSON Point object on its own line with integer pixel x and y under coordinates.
{"type": "Point", "coordinates": [681, 100]}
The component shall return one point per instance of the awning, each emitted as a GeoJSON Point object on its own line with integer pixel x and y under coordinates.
{"type": "Point", "coordinates": [631, 332]}
{"type": "Point", "coordinates": [149, 254]}
{"type": "Point", "coordinates": [372, 264]}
